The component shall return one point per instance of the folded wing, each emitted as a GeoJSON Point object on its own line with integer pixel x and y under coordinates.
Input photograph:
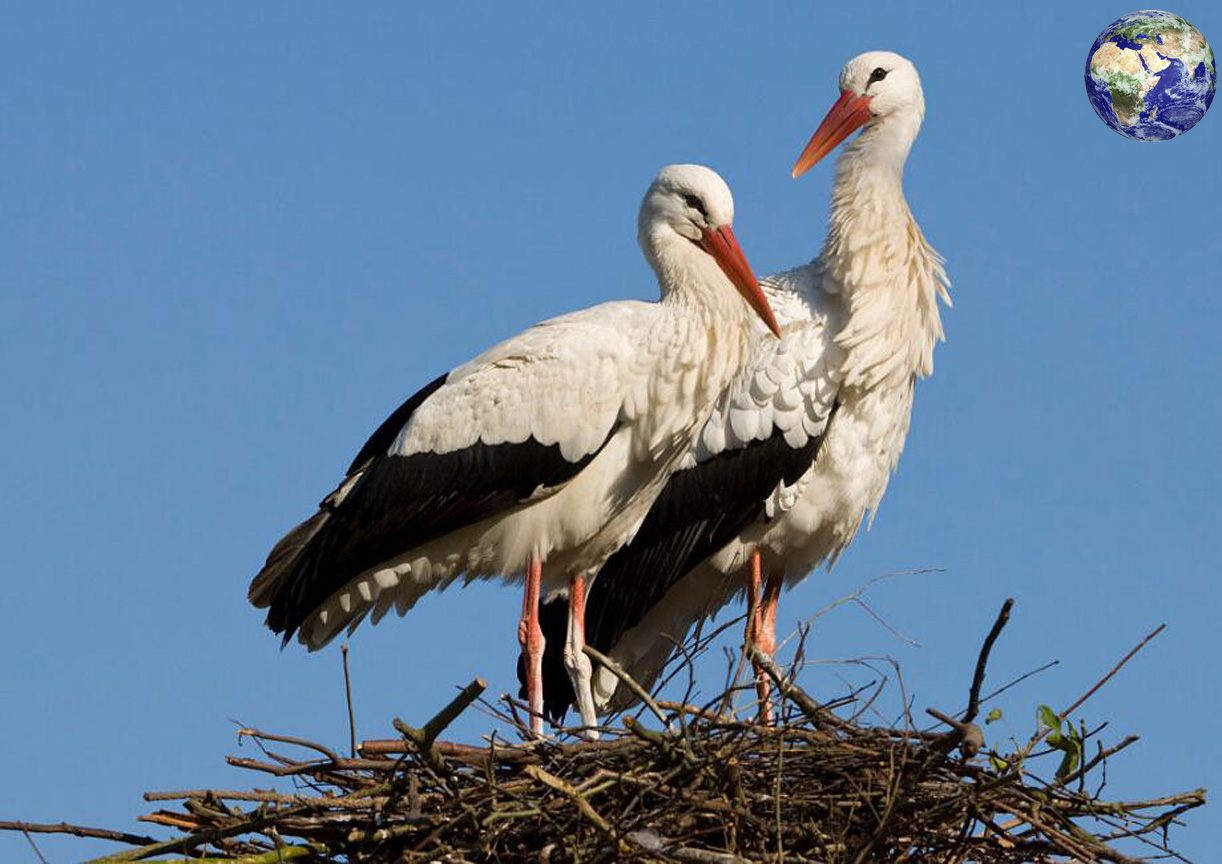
{"type": "Point", "coordinates": [513, 425]}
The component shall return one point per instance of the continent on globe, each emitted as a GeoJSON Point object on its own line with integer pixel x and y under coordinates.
{"type": "Point", "coordinates": [1151, 75]}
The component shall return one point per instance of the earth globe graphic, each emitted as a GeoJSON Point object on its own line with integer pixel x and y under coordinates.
{"type": "Point", "coordinates": [1151, 75]}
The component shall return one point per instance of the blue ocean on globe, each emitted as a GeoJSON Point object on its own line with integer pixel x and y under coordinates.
{"type": "Point", "coordinates": [1151, 76]}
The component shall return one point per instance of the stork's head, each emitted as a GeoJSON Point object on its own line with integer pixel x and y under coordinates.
{"type": "Point", "coordinates": [878, 89]}
{"type": "Point", "coordinates": [686, 200]}
{"type": "Point", "coordinates": [685, 219]}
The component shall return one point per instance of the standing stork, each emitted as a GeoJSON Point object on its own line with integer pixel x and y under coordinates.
{"type": "Point", "coordinates": [791, 460]}
{"type": "Point", "coordinates": [541, 454]}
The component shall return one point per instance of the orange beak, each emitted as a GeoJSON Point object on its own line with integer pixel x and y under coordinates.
{"type": "Point", "coordinates": [720, 243]}
{"type": "Point", "coordinates": [848, 114]}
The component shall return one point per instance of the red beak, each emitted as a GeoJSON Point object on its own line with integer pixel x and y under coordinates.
{"type": "Point", "coordinates": [720, 243]}
{"type": "Point", "coordinates": [848, 114]}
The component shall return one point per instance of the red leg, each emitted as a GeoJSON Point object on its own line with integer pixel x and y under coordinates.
{"type": "Point", "coordinates": [772, 594]}
{"type": "Point", "coordinates": [765, 643]}
{"type": "Point", "coordinates": [575, 660]}
{"type": "Point", "coordinates": [755, 624]}
{"type": "Point", "coordinates": [530, 637]}
{"type": "Point", "coordinates": [753, 598]}
{"type": "Point", "coordinates": [577, 605]}
{"type": "Point", "coordinates": [761, 629]}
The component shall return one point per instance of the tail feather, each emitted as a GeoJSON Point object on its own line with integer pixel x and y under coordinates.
{"type": "Point", "coordinates": [270, 588]}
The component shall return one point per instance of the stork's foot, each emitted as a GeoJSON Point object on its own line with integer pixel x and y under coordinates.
{"type": "Point", "coordinates": [581, 671]}
{"type": "Point", "coordinates": [580, 674]}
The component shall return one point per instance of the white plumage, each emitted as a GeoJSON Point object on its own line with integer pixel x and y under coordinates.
{"type": "Point", "coordinates": [860, 323]}
{"type": "Point", "coordinates": [546, 449]}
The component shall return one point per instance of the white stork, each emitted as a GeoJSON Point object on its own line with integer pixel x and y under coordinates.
{"type": "Point", "coordinates": [543, 453]}
{"type": "Point", "coordinates": [792, 460]}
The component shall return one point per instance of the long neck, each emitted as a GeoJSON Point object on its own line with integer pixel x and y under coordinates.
{"type": "Point", "coordinates": [876, 258]}
{"type": "Point", "coordinates": [695, 347]}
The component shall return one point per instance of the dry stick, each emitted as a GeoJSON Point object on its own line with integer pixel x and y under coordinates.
{"type": "Point", "coordinates": [703, 856]}
{"type": "Point", "coordinates": [883, 621]}
{"type": "Point", "coordinates": [1020, 679]}
{"type": "Point", "coordinates": [662, 742]}
{"type": "Point", "coordinates": [1194, 799]}
{"type": "Point", "coordinates": [860, 591]}
{"type": "Point", "coordinates": [257, 821]}
{"type": "Point", "coordinates": [1102, 754]}
{"type": "Point", "coordinates": [292, 769]}
{"type": "Point", "coordinates": [776, 795]}
{"type": "Point", "coordinates": [228, 794]}
{"type": "Point", "coordinates": [425, 736]}
{"type": "Point", "coordinates": [965, 733]}
{"type": "Point", "coordinates": [701, 642]}
{"type": "Point", "coordinates": [77, 831]}
{"type": "Point", "coordinates": [288, 739]}
{"type": "Point", "coordinates": [695, 711]}
{"type": "Point", "coordinates": [1091, 692]}
{"type": "Point", "coordinates": [272, 856]}
{"type": "Point", "coordinates": [202, 838]}
{"type": "Point", "coordinates": [34, 846]}
{"type": "Point", "coordinates": [334, 803]}
{"type": "Point", "coordinates": [628, 681]}
{"type": "Point", "coordinates": [568, 791]}
{"type": "Point", "coordinates": [348, 695]}
{"type": "Point", "coordinates": [818, 716]}
{"type": "Point", "coordinates": [973, 700]}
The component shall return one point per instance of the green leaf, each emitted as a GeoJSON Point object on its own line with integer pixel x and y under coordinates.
{"type": "Point", "coordinates": [1049, 718]}
{"type": "Point", "coordinates": [1062, 743]}
{"type": "Point", "coordinates": [1001, 766]}
{"type": "Point", "coordinates": [1073, 754]}
{"type": "Point", "coordinates": [1077, 734]}
{"type": "Point", "coordinates": [993, 716]}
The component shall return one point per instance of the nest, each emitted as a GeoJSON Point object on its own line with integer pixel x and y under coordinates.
{"type": "Point", "coordinates": [679, 782]}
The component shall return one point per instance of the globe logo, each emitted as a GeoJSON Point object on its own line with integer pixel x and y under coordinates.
{"type": "Point", "coordinates": [1151, 76]}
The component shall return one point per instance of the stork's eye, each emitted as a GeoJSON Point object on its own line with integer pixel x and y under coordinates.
{"type": "Point", "coordinates": [877, 75]}
{"type": "Point", "coordinates": [695, 203]}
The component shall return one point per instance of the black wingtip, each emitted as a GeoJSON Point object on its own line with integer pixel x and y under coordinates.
{"type": "Point", "coordinates": [558, 692]}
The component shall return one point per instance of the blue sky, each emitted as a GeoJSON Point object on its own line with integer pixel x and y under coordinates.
{"type": "Point", "coordinates": [232, 238]}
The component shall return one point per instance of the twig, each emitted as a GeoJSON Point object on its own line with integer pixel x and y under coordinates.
{"type": "Point", "coordinates": [1020, 679]}
{"type": "Point", "coordinates": [860, 591]}
{"type": "Point", "coordinates": [77, 831]}
{"type": "Point", "coordinates": [33, 846]}
{"type": "Point", "coordinates": [566, 789]}
{"type": "Point", "coordinates": [272, 856]}
{"type": "Point", "coordinates": [818, 716]}
{"type": "Point", "coordinates": [204, 837]}
{"type": "Point", "coordinates": [348, 697]}
{"type": "Point", "coordinates": [628, 681]}
{"type": "Point", "coordinates": [288, 739]}
{"type": "Point", "coordinates": [973, 699]}
{"type": "Point", "coordinates": [1102, 755]}
{"type": "Point", "coordinates": [427, 734]}
{"type": "Point", "coordinates": [885, 624]}
{"type": "Point", "coordinates": [1091, 692]}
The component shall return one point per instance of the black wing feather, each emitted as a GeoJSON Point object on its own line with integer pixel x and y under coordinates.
{"type": "Point", "coordinates": [699, 511]}
{"type": "Point", "coordinates": [396, 504]}
{"type": "Point", "coordinates": [379, 442]}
